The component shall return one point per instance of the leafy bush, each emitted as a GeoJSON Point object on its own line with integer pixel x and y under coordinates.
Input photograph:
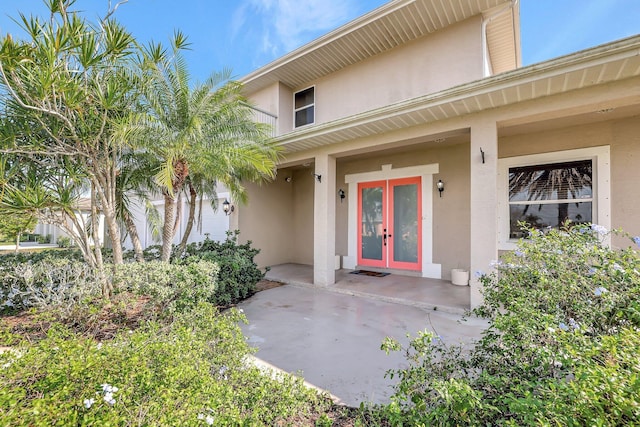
{"type": "Point", "coordinates": [561, 349]}
{"type": "Point", "coordinates": [64, 242]}
{"type": "Point", "coordinates": [44, 238]}
{"type": "Point", "coordinates": [191, 372]}
{"type": "Point", "coordinates": [46, 282]}
{"type": "Point", "coordinates": [238, 273]}
{"type": "Point", "coordinates": [171, 287]}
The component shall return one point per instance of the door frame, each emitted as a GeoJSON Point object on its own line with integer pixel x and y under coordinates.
{"type": "Point", "coordinates": [387, 172]}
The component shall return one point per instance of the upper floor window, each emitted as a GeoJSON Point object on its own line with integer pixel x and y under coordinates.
{"type": "Point", "coordinates": [304, 107]}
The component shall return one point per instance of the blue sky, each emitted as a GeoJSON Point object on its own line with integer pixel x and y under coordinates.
{"type": "Point", "coordinates": [245, 34]}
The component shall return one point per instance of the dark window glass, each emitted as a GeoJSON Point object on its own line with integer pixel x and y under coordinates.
{"type": "Point", "coordinates": [548, 195]}
{"type": "Point", "coordinates": [304, 98]}
{"type": "Point", "coordinates": [304, 107]}
{"type": "Point", "coordinates": [304, 117]}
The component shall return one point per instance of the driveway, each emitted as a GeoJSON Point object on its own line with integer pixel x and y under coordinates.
{"type": "Point", "coordinates": [333, 340]}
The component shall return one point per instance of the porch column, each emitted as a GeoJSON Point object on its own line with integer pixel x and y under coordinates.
{"type": "Point", "coordinates": [484, 201]}
{"type": "Point", "coordinates": [324, 221]}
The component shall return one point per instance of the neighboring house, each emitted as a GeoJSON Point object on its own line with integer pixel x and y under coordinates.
{"type": "Point", "coordinates": [208, 223]}
{"type": "Point", "coordinates": [83, 216]}
{"type": "Point", "coordinates": [422, 92]}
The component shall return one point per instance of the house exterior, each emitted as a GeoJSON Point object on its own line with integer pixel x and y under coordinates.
{"type": "Point", "coordinates": [376, 117]}
{"type": "Point", "coordinates": [54, 232]}
{"type": "Point", "coordinates": [208, 223]}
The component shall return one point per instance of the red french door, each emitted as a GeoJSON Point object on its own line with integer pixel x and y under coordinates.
{"type": "Point", "coordinates": [389, 224]}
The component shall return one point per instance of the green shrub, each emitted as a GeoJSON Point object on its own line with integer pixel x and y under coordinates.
{"type": "Point", "coordinates": [173, 288]}
{"type": "Point", "coordinates": [561, 349]}
{"type": "Point", "coordinates": [238, 273]}
{"type": "Point", "coordinates": [191, 372]}
{"type": "Point", "coordinates": [64, 242]}
{"type": "Point", "coordinates": [43, 238]}
{"type": "Point", "coordinates": [45, 282]}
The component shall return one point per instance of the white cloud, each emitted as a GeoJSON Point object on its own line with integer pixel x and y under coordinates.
{"type": "Point", "coordinates": [287, 24]}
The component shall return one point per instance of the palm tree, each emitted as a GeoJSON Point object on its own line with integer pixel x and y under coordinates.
{"type": "Point", "coordinates": [205, 131]}
{"type": "Point", "coordinates": [541, 183]}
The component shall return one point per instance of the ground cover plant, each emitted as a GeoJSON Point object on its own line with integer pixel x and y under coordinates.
{"type": "Point", "coordinates": [191, 371]}
{"type": "Point", "coordinates": [157, 352]}
{"type": "Point", "coordinates": [562, 347]}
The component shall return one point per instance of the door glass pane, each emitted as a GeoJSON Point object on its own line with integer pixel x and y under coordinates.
{"type": "Point", "coordinates": [405, 223]}
{"type": "Point", "coordinates": [371, 223]}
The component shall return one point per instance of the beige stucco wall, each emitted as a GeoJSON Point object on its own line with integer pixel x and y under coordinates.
{"type": "Point", "coordinates": [451, 216]}
{"type": "Point", "coordinates": [432, 63]}
{"type": "Point", "coordinates": [623, 137]}
{"type": "Point", "coordinates": [267, 99]}
{"type": "Point", "coordinates": [266, 220]}
{"type": "Point", "coordinates": [302, 225]}
{"type": "Point", "coordinates": [427, 65]}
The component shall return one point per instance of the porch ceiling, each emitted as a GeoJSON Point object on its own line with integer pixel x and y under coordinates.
{"type": "Point", "coordinates": [393, 24]}
{"type": "Point", "coordinates": [600, 65]}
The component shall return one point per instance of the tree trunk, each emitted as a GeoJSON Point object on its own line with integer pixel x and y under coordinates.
{"type": "Point", "coordinates": [563, 208]}
{"type": "Point", "coordinates": [167, 226]}
{"type": "Point", "coordinates": [181, 171]}
{"type": "Point", "coordinates": [192, 215]}
{"type": "Point", "coordinates": [135, 238]}
{"type": "Point", "coordinates": [18, 242]}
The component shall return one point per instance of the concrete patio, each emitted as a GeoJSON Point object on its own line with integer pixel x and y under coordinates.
{"type": "Point", "coordinates": [333, 340]}
{"type": "Point", "coordinates": [425, 293]}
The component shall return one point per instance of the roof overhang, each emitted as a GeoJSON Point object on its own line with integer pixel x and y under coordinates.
{"type": "Point", "coordinates": [393, 24]}
{"type": "Point", "coordinates": [597, 66]}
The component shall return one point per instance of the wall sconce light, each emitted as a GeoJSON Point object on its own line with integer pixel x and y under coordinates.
{"type": "Point", "coordinates": [318, 177]}
{"type": "Point", "coordinates": [482, 154]}
{"type": "Point", "coordinates": [341, 195]}
{"type": "Point", "coordinates": [440, 186]}
{"type": "Point", "coordinates": [227, 207]}
{"type": "Point", "coordinates": [288, 179]}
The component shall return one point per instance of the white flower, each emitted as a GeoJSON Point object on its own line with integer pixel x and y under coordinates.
{"type": "Point", "coordinates": [88, 402]}
{"type": "Point", "coordinates": [108, 397]}
{"type": "Point", "coordinates": [201, 416]}
{"type": "Point", "coordinates": [599, 291]}
{"type": "Point", "coordinates": [241, 311]}
{"type": "Point", "coordinates": [599, 229]}
{"type": "Point", "coordinates": [99, 346]}
{"type": "Point", "coordinates": [107, 388]}
{"type": "Point", "coordinates": [209, 420]}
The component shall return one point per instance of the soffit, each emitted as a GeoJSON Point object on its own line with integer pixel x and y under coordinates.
{"type": "Point", "coordinates": [608, 63]}
{"type": "Point", "coordinates": [393, 24]}
{"type": "Point", "coordinates": [503, 39]}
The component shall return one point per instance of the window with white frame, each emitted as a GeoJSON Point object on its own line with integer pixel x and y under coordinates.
{"type": "Point", "coordinates": [304, 107]}
{"type": "Point", "coordinates": [545, 190]}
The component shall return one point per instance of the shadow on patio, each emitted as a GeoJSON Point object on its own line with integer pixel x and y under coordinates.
{"type": "Point", "coordinates": [429, 294]}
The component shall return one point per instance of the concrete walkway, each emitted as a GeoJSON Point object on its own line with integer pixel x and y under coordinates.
{"type": "Point", "coordinates": [421, 292]}
{"type": "Point", "coordinates": [333, 339]}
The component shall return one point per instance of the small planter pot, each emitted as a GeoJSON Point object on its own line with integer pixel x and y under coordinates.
{"type": "Point", "coordinates": [459, 277]}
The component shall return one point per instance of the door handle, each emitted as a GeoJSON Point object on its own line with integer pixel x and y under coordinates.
{"type": "Point", "coordinates": [384, 237]}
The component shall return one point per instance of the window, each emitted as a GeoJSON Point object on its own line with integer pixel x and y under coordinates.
{"type": "Point", "coordinates": [547, 195]}
{"type": "Point", "coordinates": [304, 106]}
{"type": "Point", "coordinates": [544, 190]}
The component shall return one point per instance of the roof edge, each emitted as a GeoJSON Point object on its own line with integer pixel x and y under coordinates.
{"type": "Point", "coordinates": [614, 50]}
